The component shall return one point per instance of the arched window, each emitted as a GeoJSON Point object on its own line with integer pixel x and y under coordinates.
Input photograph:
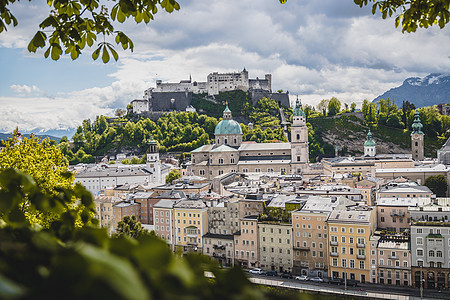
{"type": "Point", "coordinates": [298, 136]}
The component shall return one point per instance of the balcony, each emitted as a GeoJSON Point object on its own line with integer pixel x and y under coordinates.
{"type": "Point", "coordinates": [397, 214]}
{"type": "Point", "coordinates": [359, 245]}
{"type": "Point", "coordinates": [301, 248]}
{"type": "Point", "coordinates": [219, 247]}
{"type": "Point", "coordinates": [335, 254]}
{"type": "Point", "coordinates": [361, 256]}
{"type": "Point", "coordinates": [334, 243]}
{"type": "Point", "coordinates": [393, 257]}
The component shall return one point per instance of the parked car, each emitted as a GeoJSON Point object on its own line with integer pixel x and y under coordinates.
{"type": "Point", "coordinates": [337, 281]}
{"type": "Point", "coordinates": [256, 271]}
{"type": "Point", "coordinates": [316, 279]}
{"type": "Point", "coordinates": [271, 273]}
{"type": "Point", "coordinates": [302, 278]}
{"type": "Point", "coordinates": [351, 282]}
{"type": "Point", "coordinates": [286, 275]}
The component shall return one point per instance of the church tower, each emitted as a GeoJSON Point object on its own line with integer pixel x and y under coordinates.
{"type": "Point", "coordinates": [370, 148]}
{"type": "Point", "coordinates": [228, 131]}
{"type": "Point", "coordinates": [417, 138]}
{"type": "Point", "coordinates": [153, 162]}
{"type": "Point", "coordinates": [299, 140]}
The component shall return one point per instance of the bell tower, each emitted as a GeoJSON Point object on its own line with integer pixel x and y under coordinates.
{"type": "Point", "coordinates": [417, 138]}
{"type": "Point", "coordinates": [299, 140]}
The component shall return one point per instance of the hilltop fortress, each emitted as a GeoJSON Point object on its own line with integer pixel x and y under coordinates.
{"type": "Point", "coordinates": [215, 83]}
{"type": "Point", "coordinates": [168, 96]}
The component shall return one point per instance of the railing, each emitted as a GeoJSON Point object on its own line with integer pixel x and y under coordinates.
{"type": "Point", "coordinates": [334, 254]}
{"type": "Point", "coordinates": [393, 257]}
{"type": "Point", "coordinates": [361, 256]}
{"type": "Point", "coordinates": [398, 214]}
{"type": "Point", "coordinates": [334, 243]}
{"type": "Point", "coordinates": [360, 245]}
{"type": "Point", "coordinates": [302, 248]}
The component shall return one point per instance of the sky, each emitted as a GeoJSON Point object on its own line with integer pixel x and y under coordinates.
{"type": "Point", "coordinates": [313, 49]}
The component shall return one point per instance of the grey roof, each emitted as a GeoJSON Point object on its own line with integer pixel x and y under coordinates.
{"type": "Point", "coordinates": [194, 204]}
{"type": "Point", "coordinates": [114, 172]}
{"type": "Point", "coordinates": [142, 195]}
{"type": "Point", "coordinates": [204, 148]}
{"type": "Point", "coordinates": [350, 216]}
{"type": "Point", "coordinates": [446, 146]}
{"type": "Point", "coordinates": [165, 203]}
{"type": "Point", "coordinates": [405, 188]}
{"type": "Point", "coordinates": [223, 148]}
{"type": "Point", "coordinates": [172, 195]}
{"type": "Point", "coordinates": [264, 146]}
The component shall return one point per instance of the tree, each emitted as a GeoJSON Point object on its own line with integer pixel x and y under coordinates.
{"type": "Point", "coordinates": [173, 175]}
{"type": "Point", "coordinates": [119, 112]}
{"type": "Point", "coordinates": [73, 25]}
{"type": "Point", "coordinates": [437, 184]}
{"type": "Point", "coordinates": [334, 106]}
{"type": "Point", "coordinates": [65, 261]}
{"type": "Point", "coordinates": [412, 13]}
{"type": "Point", "coordinates": [323, 106]}
{"type": "Point", "coordinates": [353, 107]}
{"type": "Point", "coordinates": [130, 227]}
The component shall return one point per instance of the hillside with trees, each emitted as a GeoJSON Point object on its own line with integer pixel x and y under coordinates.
{"type": "Point", "coordinates": [174, 131]}
{"type": "Point", "coordinates": [389, 124]}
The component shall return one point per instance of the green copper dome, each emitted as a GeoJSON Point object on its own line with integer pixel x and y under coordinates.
{"type": "Point", "coordinates": [417, 125]}
{"type": "Point", "coordinates": [228, 125]}
{"type": "Point", "coordinates": [369, 142]}
{"type": "Point", "coordinates": [298, 110]}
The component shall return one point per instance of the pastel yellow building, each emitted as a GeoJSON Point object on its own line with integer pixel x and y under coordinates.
{"type": "Point", "coordinates": [349, 232]}
{"type": "Point", "coordinates": [191, 223]}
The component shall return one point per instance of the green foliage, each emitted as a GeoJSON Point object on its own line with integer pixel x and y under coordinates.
{"type": "Point", "coordinates": [411, 13]}
{"type": "Point", "coordinates": [276, 215]}
{"type": "Point", "coordinates": [66, 261]}
{"type": "Point", "coordinates": [266, 113]}
{"type": "Point", "coordinates": [173, 175]}
{"type": "Point", "coordinates": [334, 106]}
{"type": "Point", "coordinates": [130, 227]}
{"type": "Point", "coordinates": [239, 103]}
{"type": "Point", "coordinates": [44, 162]}
{"type": "Point", "coordinates": [437, 184]}
{"type": "Point", "coordinates": [180, 131]}
{"type": "Point", "coordinates": [73, 25]}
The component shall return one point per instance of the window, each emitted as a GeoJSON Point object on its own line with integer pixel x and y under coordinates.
{"type": "Point", "coordinates": [419, 241]}
{"type": "Point", "coordinates": [431, 253]}
{"type": "Point", "coordinates": [360, 230]}
{"type": "Point", "coordinates": [419, 252]}
{"type": "Point", "coordinates": [361, 264]}
{"type": "Point", "coordinates": [333, 229]}
{"type": "Point", "coordinates": [335, 262]}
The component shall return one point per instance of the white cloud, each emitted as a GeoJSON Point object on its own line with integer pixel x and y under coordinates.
{"type": "Point", "coordinates": [24, 89]}
{"type": "Point", "coordinates": [316, 49]}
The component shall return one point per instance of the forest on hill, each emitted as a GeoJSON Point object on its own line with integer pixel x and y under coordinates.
{"type": "Point", "coordinates": [174, 132]}
{"type": "Point", "coordinates": [330, 125]}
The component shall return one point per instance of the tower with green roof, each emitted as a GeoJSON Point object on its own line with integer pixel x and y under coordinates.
{"type": "Point", "coordinates": [370, 148]}
{"type": "Point", "coordinates": [299, 140]}
{"type": "Point", "coordinates": [228, 131]}
{"type": "Point", "coordinates": [417, 137]}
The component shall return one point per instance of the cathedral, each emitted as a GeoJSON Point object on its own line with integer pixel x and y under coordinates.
{"type": "Point", "coordinates": [230, 154]}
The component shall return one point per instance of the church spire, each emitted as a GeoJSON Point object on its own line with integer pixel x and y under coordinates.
{"type": "Point", "coordinates": [298, 110]}
{"type": "Point", "coordinates": [417, 125]}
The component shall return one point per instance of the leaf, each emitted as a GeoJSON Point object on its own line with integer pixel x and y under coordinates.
{"type": "Point", "coordinates": [113, 52]}
{"type": "Point", "coordinates": [38, 41]}
{"type": "Point", "coordinates": [96, 53]}
{"type": "Point", "coordinates": [105, 55]}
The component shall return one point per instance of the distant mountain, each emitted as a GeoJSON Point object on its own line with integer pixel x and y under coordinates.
{"type": "Point", "coordinates": [5, 136]}
{"type": "Point", "coordinates": [430, 90]}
